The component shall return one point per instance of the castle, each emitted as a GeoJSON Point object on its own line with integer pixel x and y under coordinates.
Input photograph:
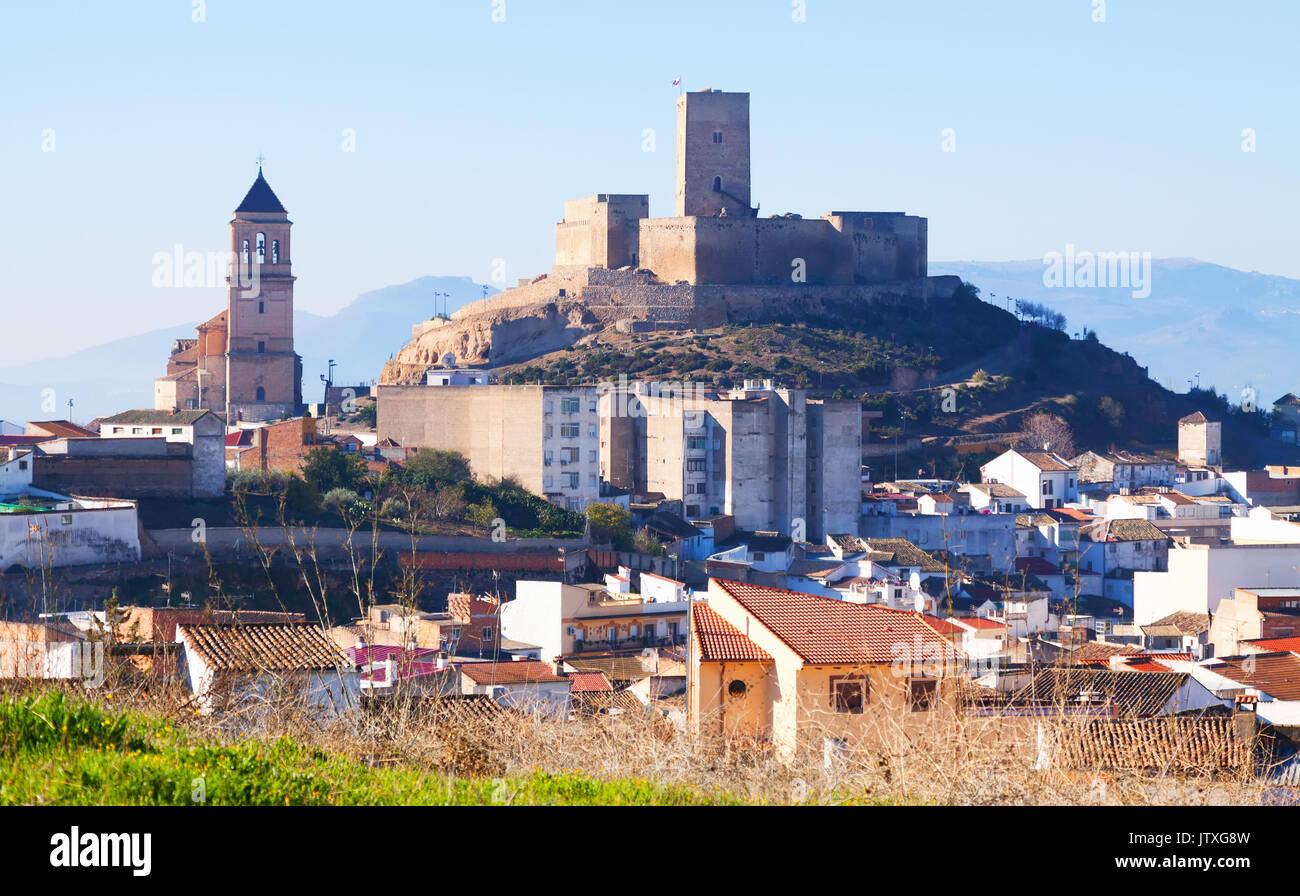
{"type": "Point", "coordinates": [242, 365]}
{"type": "Point", "coordinates": [715, 261]}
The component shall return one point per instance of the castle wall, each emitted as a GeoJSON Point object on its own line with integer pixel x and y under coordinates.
{"type": "Point", "coordinates": [745, 250]}
{"type": "Point", "coordinates": [600, 230]}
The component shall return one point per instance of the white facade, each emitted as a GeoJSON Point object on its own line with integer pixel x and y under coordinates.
{"type": "Point", "coordinates": [1042, 487]}
{"type": "Point", "coordinates": [15, 472]}
{"type": "Point", "coordinates": [571, 446]}
{"type": "Point", "coordinates": [1201, 576]}
{"type": "Point", "coordinates": [67, 532]}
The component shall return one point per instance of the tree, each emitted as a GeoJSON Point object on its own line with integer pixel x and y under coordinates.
{"type": "Point", "coordinates": [1042, 431]}
{"type": "Point", "coordinates": [611, 524]}
{"type": "Point", "coordinates": [448, 502]}
{"type": "Point", "coordinates": [483, 514]}
{"type": "Point", "coordinates": [329, 468]}
{"type": "Point", "coordinates": [433, 466]}
{"type": "Point", "coordinates": [1112, 410]}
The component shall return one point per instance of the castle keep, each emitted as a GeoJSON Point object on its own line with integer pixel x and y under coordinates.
{"type": "Point", "coordinates": [716, 261]}
{"type": "Point", "coordinates": [242, 365]}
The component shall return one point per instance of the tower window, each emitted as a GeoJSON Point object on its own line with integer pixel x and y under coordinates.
{"type": "Point", "coordinates": [244, 256]}
{"type": "Point", "coordinates": [717, 136]}
{"type": "Point", "coordinates": [261, 307]}
{"type": "Point", "coordinates": [275, 251]}
{"type": "Point", "coordinates": [261, 248]}
{"type": "Point", "coordinates": [261, 394]}
{"type": "Point", "coordinates": [717, 185]}
{"type": "Point", "coordinates": [261, 346]}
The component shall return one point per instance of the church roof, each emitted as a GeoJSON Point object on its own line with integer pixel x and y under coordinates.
{"type": "Point", "coordinates": [260, 197]}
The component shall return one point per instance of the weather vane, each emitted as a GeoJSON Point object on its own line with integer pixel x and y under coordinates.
{"type": "Point", "coordinates": [260, 159]}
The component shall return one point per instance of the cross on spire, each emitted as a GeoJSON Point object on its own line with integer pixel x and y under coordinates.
{"type": "Point", "coordinates": [260, 159]}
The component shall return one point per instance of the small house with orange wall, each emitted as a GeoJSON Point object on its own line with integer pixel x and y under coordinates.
{"type": "Point", "coordinates": [787, 669]}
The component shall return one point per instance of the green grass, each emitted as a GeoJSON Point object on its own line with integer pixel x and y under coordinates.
{"type": "Point", "coordinates": [57, 750]}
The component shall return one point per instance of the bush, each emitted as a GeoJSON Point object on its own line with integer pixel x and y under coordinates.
{"type": "Point", "coordinates": [394, 509]}
{"type": "Point", "coordinates": [337, 500]}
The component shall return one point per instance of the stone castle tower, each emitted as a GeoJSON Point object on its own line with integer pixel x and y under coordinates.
{"type": "Point", "coordinates": [713, 154]}
{"type": "Point", "coordinates": [263, 373]}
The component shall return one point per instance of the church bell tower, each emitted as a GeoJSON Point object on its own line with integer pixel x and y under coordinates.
{"type": "Point", "coordinates": [263, 372]}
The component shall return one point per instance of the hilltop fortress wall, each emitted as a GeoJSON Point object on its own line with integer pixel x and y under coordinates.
{"type": "Point", "coordinates": [715, 262]}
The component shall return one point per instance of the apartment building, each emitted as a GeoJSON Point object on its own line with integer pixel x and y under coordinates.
{"type": "Point", "coordinates": [768, 456]}
{"type": "Point", "coordinates": [547, 437]}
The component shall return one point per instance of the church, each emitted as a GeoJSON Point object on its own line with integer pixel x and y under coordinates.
{"type": "Point", "coordinates": [242, 365]}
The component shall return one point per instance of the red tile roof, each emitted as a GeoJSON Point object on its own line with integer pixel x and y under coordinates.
{"type": "Point", "coordinates": [979, 622]}
{"type": "Point", "coordinates": [588, 682]}
{"type": "Point", "coordinates": [1037, 566]}
{"type": "Point", "coordinates": [826, 631]}
{"type": "Point", "coordinates": [720, 641]}
{"type": "Point", "coordinates": [520, 672]}
{"type": "Point", "coordinates": [1276, 644]}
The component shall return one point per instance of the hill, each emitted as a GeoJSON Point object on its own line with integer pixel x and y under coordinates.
{"type": "Point", "coordinates": [1235, 328]}
{"type": "Point", "coordinates": [901, 359]}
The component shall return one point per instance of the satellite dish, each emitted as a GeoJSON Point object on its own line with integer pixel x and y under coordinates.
{"type": "Point", "coordinates": [914, 581]}
{"type": "Point", "coordinates": [449, 360]}
{"type": "Point", "coordinates": [920, 603]}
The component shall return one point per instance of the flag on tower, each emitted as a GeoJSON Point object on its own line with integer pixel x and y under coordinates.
{"type": "Point", "coordinates": [677, 80]}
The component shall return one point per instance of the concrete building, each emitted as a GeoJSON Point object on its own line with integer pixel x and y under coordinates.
{"type": "Point", "coordinates": [126, 467]}
{"type": "Point", "coordinates": [242, 365]}
{"type": "Point", "coordinates": [548, 437]}
{"type": "Point", "coordinates": [767, 456]}
{"type": "Point", "coordinates": [985, 542]}
{"type": "Point", "coordinates": [1254, 613]}
{"type": "Point", "coordinates": [1200, 577]}
{"type": "Point", "coordinates": [203, 431]}
{"type": "Point", "coordinates": [56, 531]}
{"type": "Point", "coordinates": [1200, 441]}
{"type": "Point", "coordinates": [1045, 479]}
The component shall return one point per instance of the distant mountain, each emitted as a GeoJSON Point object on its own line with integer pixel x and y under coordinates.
{"type": "Point", "coordinates": [119, 375]}
{"type": "Point", "coordinates": [1237, 328]}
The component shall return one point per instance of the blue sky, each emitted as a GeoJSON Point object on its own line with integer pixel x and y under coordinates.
{"type": "Point", "coordinates": [470, 133]}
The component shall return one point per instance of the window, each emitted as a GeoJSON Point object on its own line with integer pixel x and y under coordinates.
{"type": "Point", "coordinates": [717, 136]}
{"type": "Point", "coordinates": [261, 307]}
{"type": "Point", "coordinates": [569, 406]}
{"type": "Point", "coordinates": [717, 185]}
{"type": "Point", "coordinates": [244, 254]}
{"type": "Point", "coordinates": [570, 480]}
{"type": "Point", "coordinates": [591, 456]}
{"type": "Point", "coordinates": [261, 394]}
{"type": "Point", "coordinates": [697, 443]}
{"type": "Point", "coordinates": [695, 466]}
{"type": "Point", "coordinates": [591, 431]}
{"type": "Point", "coordinates": [848, 694]}
{"type": "Point", "coordinates": [22, 465]}
{"type": "Point", "coordinates": [569, 455]}
{"type": "Point", "coordinates": [546, 459]}
{"type": "Point", "coordinates": [176, 430]}
{"type": "Point", "coordinates": [737, 688]}
{"type": "Point", "coordinates": [487, 633]}
{"type": "Point", "coordinates": [570, 430]}
{"type": "Point", "coordinates": [156, 431]}
{"type": "Point", "coordinates": [692, 510]}
{"type": "Point", "coordinates": [921, 693]}
{"type": "Point", "coordinates": [1047, 486]}
{"type": "Point", "coordinates": [261, 248]}
{"type": "Point", "coordinates": [261, 346]}
{"type": "Point", "coordinates": [547, 431]}
{"type": "Point", "coordinates": [275, 251]}
{"type": "Point", "coordinates": [67, 519]}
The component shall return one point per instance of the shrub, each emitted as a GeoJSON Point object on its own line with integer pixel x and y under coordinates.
{"type": "Point", "coordinates": [339, 499]}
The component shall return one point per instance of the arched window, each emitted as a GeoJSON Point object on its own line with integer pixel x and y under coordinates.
{"type": "Point", "coordinates": [717, 185]}
{"type": "Point", "coordinates": [244, 257]}
{"type": "Point", "coordinates": [261, 248]}
{"type": "Point", "coordinates": [261, 394]}
{"type": "Point", "coordinates": [275, 251]}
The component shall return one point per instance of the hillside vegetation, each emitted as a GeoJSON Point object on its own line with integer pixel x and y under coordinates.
{"type": "Point", "coordinates": [901, 361]}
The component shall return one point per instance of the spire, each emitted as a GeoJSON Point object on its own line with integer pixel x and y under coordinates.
{"type": "Point", "coordinates": [260, 197]}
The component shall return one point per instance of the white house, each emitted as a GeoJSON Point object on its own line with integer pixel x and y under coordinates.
{"type": "Point", "coordinates": [1045, 479]}
{"type": "Point", "coordinates": [995, 497]}
{"type": "Point", "coordinates": [15, 472]}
